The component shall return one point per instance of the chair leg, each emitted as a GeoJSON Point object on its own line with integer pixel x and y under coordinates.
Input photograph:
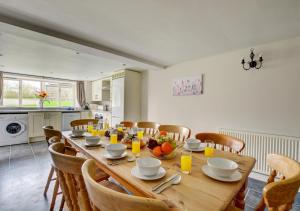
{"type": "Point", "coordinates": [49, 180]}
{"type": "Point", "coordinates": [55, 191]}
{"type": "Point", "coordinates": [62, 203]}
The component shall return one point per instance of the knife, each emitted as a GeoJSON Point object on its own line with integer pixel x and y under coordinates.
{"type": "Point", "coordinates": [164, 182]}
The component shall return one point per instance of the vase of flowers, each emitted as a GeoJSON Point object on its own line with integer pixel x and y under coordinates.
{"type": "Point", "coordinates": [42, 95]}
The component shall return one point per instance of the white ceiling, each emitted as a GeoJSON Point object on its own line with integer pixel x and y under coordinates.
{"type": "Point", "coordinates": [164, 31]}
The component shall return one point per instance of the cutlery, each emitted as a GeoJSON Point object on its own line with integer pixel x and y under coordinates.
{"type": "Point", "coordinates": [129, 159]}
{"type": "Point", "coordinates": [174, 181]}
{"type": "Point", "coordinates": [164, 182]}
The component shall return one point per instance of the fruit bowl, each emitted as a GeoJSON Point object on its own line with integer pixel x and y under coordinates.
{"type": "Point", "coordinates": [165, 157]}
{"type": "Point", "coordinates": [162, 147]}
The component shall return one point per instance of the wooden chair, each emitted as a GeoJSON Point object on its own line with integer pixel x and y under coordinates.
{"type": "Point", "coordinates": [279, 194]}
{"type": "Point", "coordinates": [52, 136]}
{"type": "Point", "coordinates": [179, 133]}
{"type": "Point", "coordinates": [222, 141]}
{"type": "Point", "coordinates": [105, 199]}
{"type": "Point", "coordinates": [82, 123]}
{"type": "Point", "coordinates": [68, 168]}
{"type": "Point", "coordinates": [127, 124]}
{"type": "Point", "coordinates": [150, 128]}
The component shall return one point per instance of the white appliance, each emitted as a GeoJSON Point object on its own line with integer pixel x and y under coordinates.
{"type": "Point", "coordinates": [68, 117]}
{"type": "Point", "coordinates": [117, 100]}
{"type": "Point", "coordinates": [13, 129]}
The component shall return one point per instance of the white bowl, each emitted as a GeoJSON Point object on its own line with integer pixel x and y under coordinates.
{"type": "Point", "coordinates": [78, 132]}
{"type": "Point", "coordinates": [193, 143]}
{"type": "Point", "coordinates": [148, 166]}
{"type": "Point", "coordinates": [116, 149]}
{"type": "Point", "coordinates": [222, 167]}
{"type": "Point", "coordinates": [92, 140]}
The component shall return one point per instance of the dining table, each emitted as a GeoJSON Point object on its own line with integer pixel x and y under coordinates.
{"type": "Point", "coordinates": [196, 191]}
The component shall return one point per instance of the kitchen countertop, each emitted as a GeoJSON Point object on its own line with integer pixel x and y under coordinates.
{"type": "Point", "coordinates": [27, 110]}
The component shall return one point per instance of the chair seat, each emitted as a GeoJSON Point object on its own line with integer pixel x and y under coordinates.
{"type": "Point", "coordinates": [112, 186]}
{"type": "Point", "coordinates": [100, 175]}
{"type": "Point", "coordinates": [233, 208]}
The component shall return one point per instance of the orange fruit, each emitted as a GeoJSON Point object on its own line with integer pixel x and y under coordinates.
{"type": "Point", "coordinates": [163, 133]}
{"type": "Point", "coordinates": [166, 148]}
{"type": "Point", "coordinates": [157, 151]}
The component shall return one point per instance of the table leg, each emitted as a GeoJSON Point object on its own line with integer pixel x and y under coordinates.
{"type": "Point", "coordinates": [239, 200]}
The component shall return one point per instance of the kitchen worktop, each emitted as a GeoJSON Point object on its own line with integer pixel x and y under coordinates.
{"type": "Point", "coordinates": [27, 110]}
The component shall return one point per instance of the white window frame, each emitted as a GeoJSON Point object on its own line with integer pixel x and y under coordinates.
{"type": "Point", "coordinates": [42, 85]}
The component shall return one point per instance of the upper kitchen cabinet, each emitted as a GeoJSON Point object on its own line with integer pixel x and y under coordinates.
{"type": "Point", "coordinates": [126, 96]}
{"type": "Point", "coordinates": [101, 90]}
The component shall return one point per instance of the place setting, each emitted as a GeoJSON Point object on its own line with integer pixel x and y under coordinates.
{"type": "Point", "coordinates": [77, 133]}
{"type": "Point", "coordinates": [194, 145]}
{"type": "Point", "coordinates": [222, 169]}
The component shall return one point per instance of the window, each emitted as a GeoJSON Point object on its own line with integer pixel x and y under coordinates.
{"type": "Point", "coordinates": [11, 92]}
{"type": "Point", "coordinates": [29, 90]}
{"type": "Point", "coordinates": [22, 92]}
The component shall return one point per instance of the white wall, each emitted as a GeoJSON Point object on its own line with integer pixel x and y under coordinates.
{"type": "Point", "coordinates": [266, 100]}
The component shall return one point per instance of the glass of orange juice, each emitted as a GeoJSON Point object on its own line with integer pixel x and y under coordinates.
{"type": "Point", "coordinates": [101, 132]}
{"type": "Point", "coordinates": [140, 134]}
{"type": "Point", "coordinates": [90, 127]}
{"type": "Point", "coordinates": [136, 147]}
{"type": "Point", "coordinates": [94, 132]}
{"type": "Point", "coordinates": [209, 149]}
{"type": "Point", "coordinates": [113, 138]}
{"type": "Point", "coordinates": [186, 162]}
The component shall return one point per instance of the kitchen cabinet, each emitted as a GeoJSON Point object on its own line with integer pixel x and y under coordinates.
{"type": "Point", "coordinates": [53, 119]}
{"type": "Point", "coordinates": [35, 124]}
{"type": "Point", "coordinates": [85, 115]}
{"type": "Point", "coordinates": [126, 96]}
{"type": "Point", "coordinates": [36, 120]}
{"type": "Point", "coordinates": [101, 90]}
{"type": "Point", "coordinates": [97, 90]}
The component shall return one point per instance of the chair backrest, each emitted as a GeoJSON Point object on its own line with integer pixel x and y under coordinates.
{"type": "Point", "coordinates": [82, 123]}
{"type": "Point", "coordinates": [106, 199]}
{"type": "Point", "coordinates": [150, 128]}
{"type": "Point", "coordinates": [127, 124]}
{"type": "Point", "coordinates": [222, 141]}
{"type": "Point", "coordinates": [279, 195]}
{"type": "Point", "coordinates": [50, 132]}
{"type": "Point", "coordinates": [68, 169]}
{"type": "Point", "coordinates": [178, 133]}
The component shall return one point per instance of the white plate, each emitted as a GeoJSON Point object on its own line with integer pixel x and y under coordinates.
{"type": "Point", "coordinates": [199, 149]}
{"type": "Point", "coordinates": [136, 173]}
{"type": "Point", "coordinates": [109, 156]}
{"type": "Point", "coordinates": [236, 176]}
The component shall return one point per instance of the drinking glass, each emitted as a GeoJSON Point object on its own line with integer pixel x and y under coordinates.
{"type": "Point", "coordinates": [186, 162]}
{"type": "Point", "coordinates": [136, 147]}
{"type": "Point", "coordinates": [113, 138]}
{"type": "Point", "coordinates": [90, 127]}
{"type": "Point", "coordinates": [140, 134]}
{"type": "Point", "coordinates": [101, 132]}
{"type": "Point", "coordinates": [209, 149]}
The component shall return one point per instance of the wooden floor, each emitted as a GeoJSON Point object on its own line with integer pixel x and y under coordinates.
{"type": "Point", "coordinates": [24, 170]}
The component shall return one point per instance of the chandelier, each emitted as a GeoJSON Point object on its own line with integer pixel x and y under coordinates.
{"type": "Point", "coordinates": [252, 63]}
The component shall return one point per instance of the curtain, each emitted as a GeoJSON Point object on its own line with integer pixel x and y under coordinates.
{"type": "Point", "coordinates": [1, 87]}
{"type": "Point", "coordinates": [81, 93]}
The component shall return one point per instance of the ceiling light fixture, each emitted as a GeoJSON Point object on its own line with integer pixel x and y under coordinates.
{"type": "Point", "coordinates": [252, 63]}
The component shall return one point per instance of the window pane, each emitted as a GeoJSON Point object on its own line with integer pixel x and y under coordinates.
{"type": "Point", "coordinates": [29, 91]}
{"type": "Point", "coordinates": [53, 94]}
{"type": "Point", "coordinates": [66, 95]}
{"type": "Point", "coordinates": [10, 92]}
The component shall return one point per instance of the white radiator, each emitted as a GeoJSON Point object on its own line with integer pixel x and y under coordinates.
{"type": "Point", "coordinates": [258, 145]}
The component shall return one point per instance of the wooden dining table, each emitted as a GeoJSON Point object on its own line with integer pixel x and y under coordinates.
{"type": "Point", "coordinates": [196, 191]}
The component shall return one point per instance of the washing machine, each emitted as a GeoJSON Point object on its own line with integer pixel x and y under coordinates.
{"type": "Point", "coordinates": [13, 129]}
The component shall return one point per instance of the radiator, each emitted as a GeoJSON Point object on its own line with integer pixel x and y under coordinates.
{"type": "Point", "coordinates": [258, 145]}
